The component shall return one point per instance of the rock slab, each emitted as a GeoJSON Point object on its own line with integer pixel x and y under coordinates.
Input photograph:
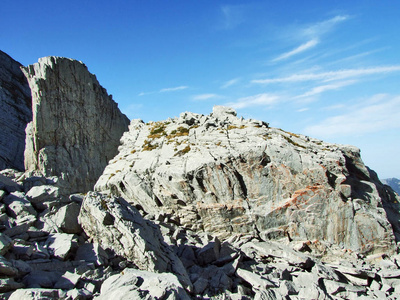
{"type": "Point", "coordinates": [15, 113]}
{"type": "Point", "coordinates": [76, 125]}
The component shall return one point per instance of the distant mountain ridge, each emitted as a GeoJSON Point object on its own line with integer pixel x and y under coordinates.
{"type": "Point", "coordinates": [394, 183]}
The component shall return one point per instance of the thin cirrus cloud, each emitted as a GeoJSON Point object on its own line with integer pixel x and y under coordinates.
{"type": "Point", "coordinates": [165, 90]}
{"type": "Point", "coordinates": [255, 100]}
{"type": "Point", "coordinates": [380, 112]}
{"type": "Point", "coordinates": [330, 76]}
{"type": "Point", "coordinates": [326, 87]}
{"type": "Point", "coordinates": [174, 89]}
{"type": "Point", "coordinates": [229, 83]}
{"type": "Point", "coordinates": [304, 47]}
{"type": "Point", "coordinates": [320, 28]}
{"type": "Point", "coordinates": [233, 15]}
{"type": "Point", "coordinates": [205, 97]}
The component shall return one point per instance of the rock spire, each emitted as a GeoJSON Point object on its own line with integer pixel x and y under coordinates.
{"type": "Point", "coordinates": [76, 125]}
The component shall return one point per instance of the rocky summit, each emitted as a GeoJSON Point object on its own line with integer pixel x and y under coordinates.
{"type": "Point", "coordinates": [226, 175]}
{"type": "Point", "coordinates": [193, 207]}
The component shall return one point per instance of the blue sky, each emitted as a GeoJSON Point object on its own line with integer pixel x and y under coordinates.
{"type": "Point", "coordinates": [327, 69]}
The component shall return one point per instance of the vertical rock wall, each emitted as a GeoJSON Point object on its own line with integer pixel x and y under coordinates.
{"type": "Point", "coordinates": [76, 125]}
{"type": "Point", "coordinates": [15, 113]}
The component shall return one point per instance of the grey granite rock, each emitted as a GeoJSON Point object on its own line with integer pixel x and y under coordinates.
{"type": "Point", "coordinates": [137, 284]}
{"type": "Point", "coordinates": [37, 293]}
{"type": "Point", "coordinates": [76, 125]}
{"type": "Point", "coordinates": [15, 113]}
{"type": "Point", "coordinates": [226, 175]}
{"type": "Point", "coordinates": [115, 225]}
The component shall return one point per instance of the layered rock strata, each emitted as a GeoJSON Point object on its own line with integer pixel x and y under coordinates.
{"type": "Point", "coordinates": [223, 175]}
{"type": "Point", "coordinates": [15, 113]}
{"type": "Point", "coordinates": [76, 125]}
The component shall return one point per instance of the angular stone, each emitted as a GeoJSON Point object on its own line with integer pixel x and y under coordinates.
{"type": "Point", "coordinates": [43, 193]}
{"type": "Point", "coordinates": [61, 244]}
{"type": "Point", "coordinates": [92, 253]}
{"type": "Point", "coordinates": [255, 280]}
{"type": "Point", "coordinates": [200, 285]}
{"type": "Point", "coordinates": [18, 229]}
{"type": "Point", "coordinates": [5, 243]}
{"type": "Point", "coordinates": [15, 113]}
{"type": "Point", "coordinates": [273, 249]}
{"type": "Point", "coordinates": [209, 253]}
{"type": "Point", "coordinates": [268, 294]}
{"type": "Point", "coordinates": [22, 267]}
{"type": "Point", "coordinates": [67, 281]}
{"type": "Point", "coordinates": [19, 206]}
{"type": "Point", "coordinates": [9, 284]}
{"type": "Point", "coordinates": [131, 284]}
{"type": "Point", "coordinates": [80, 294]}
{"type": "Point", "coordinates": [66, 218]}
{"type": "Point", "coordinates": [8, 185]}
{"type": "Point", "coordinates": [76, 125]}
{"type": "Point", "coordinates": [114, 224]}
{"type": "Point", "coordinates": [41, 279]}
{"type": "Point", "coordinates": [37, 293]}
{"type": "Point", "coordinates": [7, 268]}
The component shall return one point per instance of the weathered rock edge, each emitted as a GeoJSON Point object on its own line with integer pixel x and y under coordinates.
{"type": "Point", "coordinates": [15, 113]}
{"type": "Point", "coordinates": [76, 125]}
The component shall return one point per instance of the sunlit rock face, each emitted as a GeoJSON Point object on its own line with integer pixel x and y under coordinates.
{"type": "Point", "coordinates": [224, 175]}
{"type": "Point", "coordinates": [15, 113]}
{"type": "Point", "coordinates": [76, 125]}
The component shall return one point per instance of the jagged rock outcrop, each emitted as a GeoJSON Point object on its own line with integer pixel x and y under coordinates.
{"type": "Point", "coordinates": [225, 175]}
{"type": "Point", "coordinates": [76, 125]}
{"type": "Point", "coordinates": [15, 113]}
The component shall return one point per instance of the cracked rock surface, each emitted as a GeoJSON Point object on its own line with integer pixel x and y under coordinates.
{"type": "Point", "coordinates": [226, 175]}
{"type": "Point", "coordinates": [76, 125]}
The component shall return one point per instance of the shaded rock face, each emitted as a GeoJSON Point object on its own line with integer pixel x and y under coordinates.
{"type": "Point", "coordinates": [224, 175]}
{"type": "Point", "coordinates": [15, 113]}
{"type": "Point", "coordinates": [76, 125]}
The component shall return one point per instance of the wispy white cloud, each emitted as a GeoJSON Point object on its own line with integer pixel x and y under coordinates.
{"type": "Point", "coordinates": [232, 16]}
{"type": "Point", "coordinates": [326, 87]}
{"type": "Point", "coordinates": [230, 83]}
{"type": "Point", "coordinates": [205, 97]}
{"type": "Point", "coordinates": [165, 90]}
{"type": "Point", "coordinates": [330, 76]}
{"type": "Point", "coordinates": [380, 112]}
{"type": "Point", "coordinates": [303, 109]}
{"type": "Point", "coordinates": [255, 100]}
{"type": "Point", "coordinates": [320, 28]}
{"type": "Point", "coordinates": [173, 89]}
{"type": "Point", "coordinates": [303, 47]}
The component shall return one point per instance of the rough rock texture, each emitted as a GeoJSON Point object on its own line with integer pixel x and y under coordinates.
{"type": "Point", "coordinates": [136, 284]}
{"type": "Point", "coordinates": [117, 226]}
{"type": "Point", "coordinates": [15, 113]}
{"type": "Point", "coordinates": [49, 262]}
{"type": "Point", "coordinates": [76, 125]}
{"type": "Point", "coordinates": [224, 175]}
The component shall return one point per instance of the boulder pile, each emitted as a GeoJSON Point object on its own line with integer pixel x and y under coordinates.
{"type": "Point", "coordinates": [97, 246]}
